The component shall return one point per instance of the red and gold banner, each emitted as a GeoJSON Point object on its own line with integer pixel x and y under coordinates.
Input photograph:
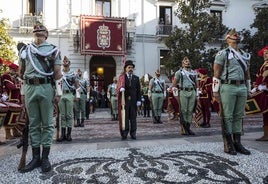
{"type": "Point", "coordinates": [256, 104]}
{"type": "Point", "coordinates": [103, 35]}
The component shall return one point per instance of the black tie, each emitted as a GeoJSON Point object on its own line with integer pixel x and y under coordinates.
{"type": "Point", "coordinates": [129, 78]}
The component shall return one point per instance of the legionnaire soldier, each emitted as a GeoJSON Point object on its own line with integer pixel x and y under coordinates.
{"type": "Point", "coordinates": [261, 84]}
{"type": "Point", "coordinates": [39, 67]}
{"type": "Point", "coordinates": [157, 94]}
{"type": "Point", "coordinates": [186, 79]}
{"type": "Point", "coordinates": [80, 104]}
{"type": "Point", "coordinates": [112, 96]}
{"type": "Point", "coordinates": [145, 99]}
{"type": "Point", "coordinates": [70, 92]}
{"type": "Point", "coordinates": [231, 85]}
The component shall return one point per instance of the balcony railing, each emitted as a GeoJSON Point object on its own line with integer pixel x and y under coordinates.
{"type": "Point", "coordinates": [163, 30]}
{"type": "Point", "coordinates": [27, 23]}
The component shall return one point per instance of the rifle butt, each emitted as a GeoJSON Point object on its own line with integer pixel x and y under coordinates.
{"type": "Point", "coordinates": [22, 160]}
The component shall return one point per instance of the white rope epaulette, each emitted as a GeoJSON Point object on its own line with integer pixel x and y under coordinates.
{"type": "Point", "coordinates": [64, 77]}
{"type": "Point", "coordinates": [32, 49]}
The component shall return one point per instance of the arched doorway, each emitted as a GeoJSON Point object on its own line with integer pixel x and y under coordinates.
{"type": "Point", "coordinates": [102, 71]}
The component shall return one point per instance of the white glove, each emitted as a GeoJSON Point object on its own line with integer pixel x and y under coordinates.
{"type": "Point", "coordinates": [88, 95]}
{"type": "Point", "coordinates": [4, 97]}
{"type": "Point", "coordinates": [254, 90]}
{"type": "Point", "coordinates": [175, 91]}
{"type": "Point", "coordinates": [149, 93]}
{"type": "Point", "coordinates": [138, 103]}
{"type": "Point", "coordinates": [77, 93]}
{"type": "Point", "coordinates": [262, 87]}
{"type": "Point", "coordinates": [22, 87]}
{"type": "Point", "coordinates": [108, 95]}
{"type": "Point", "coordinates": [165, 94]}
{"type": "Point", "coordinates": [122, 89]}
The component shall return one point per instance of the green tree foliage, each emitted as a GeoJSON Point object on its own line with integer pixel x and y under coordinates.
{"type": "Point", "coordinates": [198, 30]}
{"type": "Point", "coordinates": [253, 43]}
{"type": "Point", "coordinates": [6, 44]}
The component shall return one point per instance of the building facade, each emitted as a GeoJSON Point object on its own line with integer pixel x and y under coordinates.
{"type": "Point", "coordinates": [100, 50]}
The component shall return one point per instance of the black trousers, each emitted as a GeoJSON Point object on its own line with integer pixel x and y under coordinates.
{"type": "Point", "coordinates": [131, 120]}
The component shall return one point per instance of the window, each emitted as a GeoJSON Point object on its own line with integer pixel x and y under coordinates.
{"type": "Point", "coordinates": [35, 7]}
{"type": "Point", "coordinates": [165, 15]}
{"type": "Point", "coordinates": [103, 8]}
{"type": "Point", "coordinates": [165, 20]}
{"type": "Point", "coordinates": [217, 14]}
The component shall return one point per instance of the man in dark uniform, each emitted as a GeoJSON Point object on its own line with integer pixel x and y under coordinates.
{"type": "Point", "coordinates": [40, 64]}
{"type": "Point", "coordinates": [132, 94]}
{"type": "Point", "coordinates": [231, 85]}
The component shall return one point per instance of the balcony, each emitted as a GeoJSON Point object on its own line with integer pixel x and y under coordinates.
{"type": "Point", "coordinates": [27, 23]}
{"type": "Point", "coordinates": [163, 30]}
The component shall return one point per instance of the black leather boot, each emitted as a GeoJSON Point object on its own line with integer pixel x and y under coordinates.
{"type": "Point", "coordinates": [159, 120]}
{"type": "Point", "coordinates": [69, 131]}
{"type": "Point", "coordinates": [82, 123]}
{"type": "Point", "coordinates": [238, 146]}
{"type": "Point", "coordinates": [77, 123]}
{"type": "Point", "coordinates": [63, 135]}
{"type": "Point", "coordinates": [184, 130]}
{"type": "Point", "coordinates": [116, 117]}
{"type": "Point", "coordinates": [35, 162]}
{"type": "Point", "coordinates": [154, 119]}
{"type": "Point", "coordinates": [190, 132]}
{"type": "Point", "coordinates": [45, 164]}
{"type": "Point", "coordinates": [229, 145]}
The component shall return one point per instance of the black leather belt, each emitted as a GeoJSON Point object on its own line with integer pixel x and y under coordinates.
{"type": "Point", "coordinates": [114, 95]}
{"type": "Point", "coordinates": [66, 91]}
{"type": "Point", "coordinates": [187, 89]}
{"type": "Point", "coordinates": [157, 92]}
{"type": "Point", "coordinates": [236, 82]}
{"type": "Point", "coordinates": [37, 81]}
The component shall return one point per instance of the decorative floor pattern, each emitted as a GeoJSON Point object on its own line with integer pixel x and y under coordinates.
{"type": "Point", "coordinates": [184, 163]}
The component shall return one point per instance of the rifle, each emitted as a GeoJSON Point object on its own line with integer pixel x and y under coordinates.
{"type": "Point", "coordinates": [183, 132]}
{"type": "Point", "coordinates": [57, 114]}
{"type": "Point", "coordinates": [223, 128]}
{"type": "Point", "coordinates": [24, 139]}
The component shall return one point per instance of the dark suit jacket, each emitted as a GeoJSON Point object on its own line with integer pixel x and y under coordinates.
{"type": "Point", "coordinates": [134, 91]}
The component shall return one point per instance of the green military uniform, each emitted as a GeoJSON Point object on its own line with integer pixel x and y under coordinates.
{"type": "Point", "coordinates": [80, 105]}
{"type": "Point", "coordinates": [187, 80]}
{"type": "Point", "coordinates": [158, 91]}
{"type": "Point", "coordinates": [66, 104]}
{"type": "Point", "coordinates": [113, 99]}
{"type": "Point", "coordinates": [145, 100]}
{"type": "Point", "coordinates": [233, 94]}
{"type": "Point", "coordinates": [39, 92]}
